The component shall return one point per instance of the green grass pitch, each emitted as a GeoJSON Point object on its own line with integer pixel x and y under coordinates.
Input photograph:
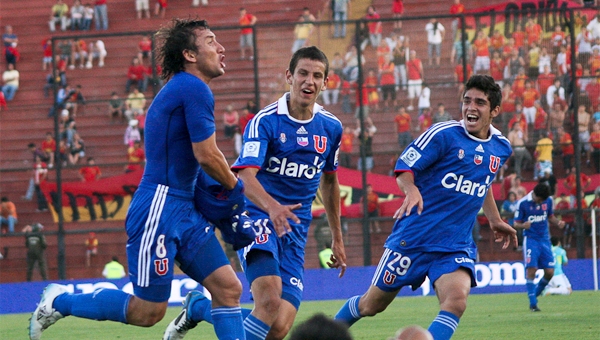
{"type": "Point", "coordinates": [498, 316]}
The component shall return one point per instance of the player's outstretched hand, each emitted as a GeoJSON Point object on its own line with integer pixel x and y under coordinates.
{"type": "Point", "coordinates": [413, 198]}
{"type": "Point", "coordinates": [503, 232]}
{"type": "Point", "coordinates": [279, 217]}
{"type": "Point", "coordinates": [338, 258]}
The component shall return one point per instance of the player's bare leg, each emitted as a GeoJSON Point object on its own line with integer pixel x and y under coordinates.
{"type": "Point", "coordinates": [145, 313]}
{"type": "Point", "coordinates": [283, 323]}
{"type": "Point", "coordinates": [452, 290]}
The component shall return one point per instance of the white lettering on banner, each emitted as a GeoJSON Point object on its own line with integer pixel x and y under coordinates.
{"type": "Point", "coordinates": [502, 274]}
{"type": "Point", "coordinates": [465, 186]}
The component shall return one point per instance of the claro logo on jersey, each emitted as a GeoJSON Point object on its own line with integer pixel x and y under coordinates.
{"type": "Point", "coordinates": [285, 167]}
{"type": "Point", "coordinates": [464, 185]}
{"type": "Point", "coordinates": [538, 218]}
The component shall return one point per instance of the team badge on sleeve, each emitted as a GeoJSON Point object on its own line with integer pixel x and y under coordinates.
{"type": "Point", "coordinates": [251, 149]}
{"type": "Point", "coordinates": [410, 156]}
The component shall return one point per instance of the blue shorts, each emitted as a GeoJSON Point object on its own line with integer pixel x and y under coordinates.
{"type": "Point", "coordinates": [163, 228]}
{"type": "Point", "coordinates": [397, 270]}
{"type": "Point", "coordinates": [287, 253]}
{"type": "Point", "coordinates": [537, 253]}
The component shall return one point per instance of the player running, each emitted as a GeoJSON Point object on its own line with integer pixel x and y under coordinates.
{"type": "Point", "coordinates": [533, 214]}
{"type": "Point", "coordinates": [290, 148]}
{"type": "Point", "coordinates": [445, 174]}
{"type": "Point", "coordinates": [162, 224]}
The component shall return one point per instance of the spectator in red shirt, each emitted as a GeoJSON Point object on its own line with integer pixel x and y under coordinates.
{"type": "Point", "coordinates": [136, 75]}
{"type": "Point", "coordinates": [346, 146]}
{"type": "Point", "coordinates": [557, 39]}
{"type": "Point", "coordinates": [145, 48]}
{"type": "Point", "coordinates": [508, 99]}
{"type": "Point", "coordinates": [48, 148]}
{"type": "Point", "coordinates": [47, 59]}
{"type": "Point", "coordinates": [375, 27]}
{"type": "Point", "coordinates": [545, 80]}
{"type": "Point", "coordinates": [90, 172]}
{"type": "Point", "coordinates": [397, 11]}
{"type": "Point", "coordinates": [567, 148]}
{"type": "Point", "coordinates": [372, 208]}
{"type": "Point", "coordinates": [459, 75]}
{"type": "Point", "coordinates": [530, 95]}
{"type": "Point", "coordinates": [91, 244]}
{"type": "Point", "coordinates": [534, 32]}
{"type": "Point", "coordinates": [246, 43]}
{"type": "Point", "coordinates": [519, 36]}
{"type": "Point", "coordinates": [456, 8]}
{"type": "Point", "coordinates": [518, 118]}
{"type": "Point", "coordinates": [136, 157]}
{"type": "Point", "coordinates": [518, 85]}
{"type": "Point", "coordinates": [540, 123]}
{"type": "Point", "coordinates": [497, 42]}
{"type": "Point", "coordinates": [245, 119]}
{"type": "Point", "coordinates": [482, 53]}
{"type": "Point", "coordinates": [570, 183]}
{"type": "Point", "coordinates": [332, 91]}
{"type": "Point", "coordinates": [497, 68]}
{"type": "Point", "coordinates": [414, 68]}
{"type": "Point", "coordinates": [403, 127]}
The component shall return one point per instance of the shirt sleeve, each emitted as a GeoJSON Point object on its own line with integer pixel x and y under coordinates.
{"type": "Point", "coordinates": [257, 137]}
{"type": "Point", "coordinates": [422, 152]}
{"type": "Point", "coordinates": [331, 163]}
{"type": "Point", "coordinates": [198, 105]}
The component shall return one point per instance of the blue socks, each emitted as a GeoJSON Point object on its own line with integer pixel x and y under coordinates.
{"type": "Point", "coordinates": [255, 329]}
{"type": "Point", "coordinates": [541, 285]}
{"type": "Point", "coordinates": [228, 323]}
{"type": "Point", "coordinates": [103, 304]}
{"type": "Point", "coordinates": [444, 325]}
{"type": "Point", "coordinates": [531, 293]}
{"type": "Point", "coordinates": [201, 310]}
{"type": "Point", "coordinates": [349, 312]}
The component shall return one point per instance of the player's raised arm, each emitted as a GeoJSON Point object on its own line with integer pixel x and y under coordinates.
{"type": "Point", "coordinates": [503, 232]}
{"type": "Point", "coordinates": [406, 183]}
{"type": "Point", "coordinates": [278, 213]}
{"type": "Point", "coordinates": [330, 189]}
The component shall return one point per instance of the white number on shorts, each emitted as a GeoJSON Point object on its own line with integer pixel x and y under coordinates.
{"type": "Point", "coordinates": [261, 226]}
{"type": "Point", "coordinates": [399, 264]}
{"type": "Point", "coordinates": [161, 250]}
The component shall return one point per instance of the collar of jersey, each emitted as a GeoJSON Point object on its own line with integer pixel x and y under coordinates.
{"type": "Point", "coordinates": [493, 131]}
{"type": "Point", "coordinates": [282, 109]}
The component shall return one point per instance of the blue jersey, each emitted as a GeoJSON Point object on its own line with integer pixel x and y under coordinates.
{"type": "Point", "coordinates": [453, 171]}
{"type": "Point", "coordinates": [537, 214]}
{"type": "Point", "coordinates": [181, 114]}
{"type": "Point", "coordinates": [291, 155]}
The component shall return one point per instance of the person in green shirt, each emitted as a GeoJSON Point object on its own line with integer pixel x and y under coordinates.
{"type": "Point", "coordinates": [559, 285]}
{"type": "Point", "coordinates": [325, 256]}
{"type": "Point", "coordinates": [113, 269]}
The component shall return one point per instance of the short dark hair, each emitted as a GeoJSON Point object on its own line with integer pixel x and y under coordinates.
{"type": "Point", "coordinates": [321, 327]}
{"type": "Point", "coordinates": [487, 85]}
{"type": "Point", "coordinates": [312, 53]}
{"type": "Point", "coordinates": [176, 38]}
{"type": "Point", "coordinates": [542, 191]}
{"type": "Point", "coordinates": [554, 240]}
{"type": "Point", "coordinates": [4, 199]}
{"type": "Point", "coordinates": [31, 145]}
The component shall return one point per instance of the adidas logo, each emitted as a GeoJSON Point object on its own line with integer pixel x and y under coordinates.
{"type": "Point", "coordinates": [302, 131]}
{"type": "Point", "coordinates": [479, 148]}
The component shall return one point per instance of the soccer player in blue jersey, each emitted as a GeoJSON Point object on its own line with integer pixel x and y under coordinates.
{"type": "Point", "coordinates": [290, 149]}
{"type": "Point", "coordinates": [533, 214]}
{"type": "Point", "coordinates": [162, 223]}
{"type": "Point", "coordinates": [445, 174]}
